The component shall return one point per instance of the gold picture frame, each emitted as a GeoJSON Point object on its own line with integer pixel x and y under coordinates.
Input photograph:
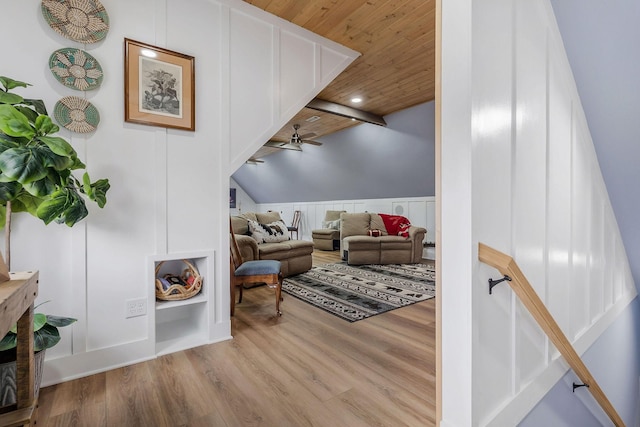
{"type": "Point", "coordinates": [159, 86]}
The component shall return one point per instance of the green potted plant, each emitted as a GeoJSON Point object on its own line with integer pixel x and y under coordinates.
{"type": "Point", "coordinates": [36, 167]}
{"type": "Point", "coordinates": [36, 176]}
{"type": "Point", "coordinates": [45, 335]}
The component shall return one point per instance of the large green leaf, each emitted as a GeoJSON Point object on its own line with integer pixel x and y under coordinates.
{"type": "Point", "coordinates": [46, 337]}
{"type": "Point", "coordinates": [51, 209]}
{"type": "Point", "coordinates": [52, 159]}
{"type": "Point", "coordinates": [98, 192]}
{"type": "Point", "coordinates": [64, 206]}
{"type": "Point", "coordinates": [31, 114]}
{"type": "Point", "coordinates": [14, 123]}
{"type": "Point", "coordinates": [59, 146]}
{"type": "Point", "coordinates": [39, 320]}
{"type": "Point", "coordinates": [77, 164]}
{"type": "Point", "coordinates": [23, 164]}
{"type": "Point", "coordinates": [8, 342]}
{"type": "Point", "coordinates": [9, 83]}
{"type": "Point", "coordinates": [41, 188]}
{"type": "Point", "coordinates": [38, 104]}
{"type": "Point", "coordinates": [9, 190]}
{"type": "Point", "coordinates": [60, 321]}
{"type": "Point", "coordinates": [76, 212]}
{"type": "Point", "coordinates": [26, 202]}
{"type": "Point", "coordinates": [7, 142]}
{"type": "Point", "coordinates": [45, 126]}
{"type": "Point", "coordinates": [10, 98]}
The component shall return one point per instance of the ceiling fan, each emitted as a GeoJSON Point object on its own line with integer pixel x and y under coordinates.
{"type": "Point", "coordinates": [295, 142]}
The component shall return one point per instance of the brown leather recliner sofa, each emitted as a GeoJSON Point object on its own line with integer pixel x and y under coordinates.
{"type": "Point", "coordinates": [294, 255]}
{"type": "Point", "coordinates": [357, 246]}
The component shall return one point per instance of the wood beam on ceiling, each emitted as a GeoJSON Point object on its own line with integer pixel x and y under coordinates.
{"type": "Point", "coordinates": [344, 111]}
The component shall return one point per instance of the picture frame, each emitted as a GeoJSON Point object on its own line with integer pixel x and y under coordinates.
{"type": "Point", "coordinates": [159, 86]}
{"type": "Point", "coordinates": [232, 198]}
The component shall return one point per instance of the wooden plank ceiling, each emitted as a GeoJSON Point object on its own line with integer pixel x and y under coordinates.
{"type": "Point", "coordinates": [395, 71]}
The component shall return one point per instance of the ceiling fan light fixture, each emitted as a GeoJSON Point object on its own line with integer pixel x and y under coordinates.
{"type": "Point", "coordinates": [295, 139]}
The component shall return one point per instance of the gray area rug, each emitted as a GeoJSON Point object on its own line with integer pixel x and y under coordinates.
{"type": "Point", "coordinates": [356, 292]}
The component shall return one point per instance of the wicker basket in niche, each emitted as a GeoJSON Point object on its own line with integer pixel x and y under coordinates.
{"type": "Point", "coordinates": [175, 292]}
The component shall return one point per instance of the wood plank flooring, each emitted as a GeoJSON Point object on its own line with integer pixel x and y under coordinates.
{"type": "Point", "coordinates": [306, 368]}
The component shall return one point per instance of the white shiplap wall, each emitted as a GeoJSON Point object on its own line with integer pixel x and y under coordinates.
{"type": "Point", "coordinates": [533, 190]}
{"type": "Point", "coordinates": [419, 210]}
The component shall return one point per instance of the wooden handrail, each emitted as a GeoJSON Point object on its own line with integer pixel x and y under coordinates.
{"type": "Point", "coordinates": [530, 299]}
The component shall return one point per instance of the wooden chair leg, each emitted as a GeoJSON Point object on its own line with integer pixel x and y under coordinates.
{"type": "Point", "coordinates": [233, 298]}
{"type": "Point", "coordinates": [241, 289]}
{"type": "Point", "coordinates": [279, 295]}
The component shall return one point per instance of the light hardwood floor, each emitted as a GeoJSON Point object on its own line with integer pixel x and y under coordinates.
{"type": "Point", "coordinates": [306, 368]}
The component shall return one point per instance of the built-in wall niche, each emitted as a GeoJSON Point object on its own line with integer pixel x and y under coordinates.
{"type": "Point", "coordinates": [182, 324]}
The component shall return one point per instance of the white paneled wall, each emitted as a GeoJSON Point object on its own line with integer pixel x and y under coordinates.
{"type": "Point", "coordinates": [266, 91]}
{"type": "Point", "coordinates": [537, 194]}
{"type": "Point", "coordinates": [419, 210]}
{"type": "Point", "coordinates": [169, 188]}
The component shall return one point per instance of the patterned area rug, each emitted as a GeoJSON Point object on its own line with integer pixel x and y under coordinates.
{"type": "Point", "coordinates": [357, 292]}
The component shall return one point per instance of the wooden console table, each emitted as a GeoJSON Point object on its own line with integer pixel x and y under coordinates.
{"type": "Point", "coordinates": [16, 305]}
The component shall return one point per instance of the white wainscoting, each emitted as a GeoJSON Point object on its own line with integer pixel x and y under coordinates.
{"type": "Point", "coordinates": [421, 211]}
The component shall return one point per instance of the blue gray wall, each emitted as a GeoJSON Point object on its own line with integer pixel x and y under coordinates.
{"type": "Point", "coordinates": [363, 162]}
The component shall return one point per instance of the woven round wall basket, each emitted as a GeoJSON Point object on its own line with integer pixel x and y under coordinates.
{"type": "Point", "coordinates": [76, 114]}
{"type": "Point", "coordinates": [84, 21]}
{"type": "Point", "coordinates": [173, 287]}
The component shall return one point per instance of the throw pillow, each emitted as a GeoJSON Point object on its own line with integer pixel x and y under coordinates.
{"type": "Point", "coordinates": [335, 225]}
{"type": "Point", "coordinates": [403, 230]}
{"type": "Point", "coordinates": [269, 233]}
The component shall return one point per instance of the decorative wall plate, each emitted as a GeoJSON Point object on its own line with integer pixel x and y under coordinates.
{"type": "Point", "coordinates": [75, 68]}
{"type": "Point", "coordinates": [76, 114]}
{"type": "Point", "coordinates": [85, 21]}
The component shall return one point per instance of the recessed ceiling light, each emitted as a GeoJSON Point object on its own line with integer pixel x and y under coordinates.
{"type": "Point", "coordinates": [356, 100]}
{"type": "Point", "coordinates": [313, 119]}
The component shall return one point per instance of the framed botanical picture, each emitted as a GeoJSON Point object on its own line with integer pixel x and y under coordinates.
{"type": "Point", "coordinates": [159, 86]}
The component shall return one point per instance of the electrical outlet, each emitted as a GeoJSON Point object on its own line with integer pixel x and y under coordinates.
{"type": "Point", "coordinates": [135, 307]}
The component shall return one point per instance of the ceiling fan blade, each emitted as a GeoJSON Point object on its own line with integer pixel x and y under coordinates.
{"type": "Point", "coordinates": [308, 135]}
{"type": "Point", "coordinates": [283, 145]}
{"type": "Point", "coordinates": [275, 144]}
{"type": "Point", "coordinates": [309, 141]}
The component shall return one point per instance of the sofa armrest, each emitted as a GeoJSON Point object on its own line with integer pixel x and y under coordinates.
{"type": "Point", "coordinates": [248, 247]}
{"type": "Point", "coordinates": [417, 233]}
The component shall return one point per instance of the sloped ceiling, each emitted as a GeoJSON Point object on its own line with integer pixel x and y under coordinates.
{"type": "Point", "coordinates": [362, 162]}
{"type": "Point", "coordinates": [601, 40]}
